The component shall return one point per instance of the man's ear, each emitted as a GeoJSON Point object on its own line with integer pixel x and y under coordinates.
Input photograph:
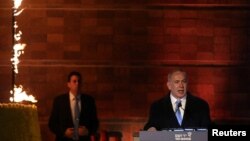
{"type": "Point", "coordinates": [168, 85]}
{"type": "Point", "coordinates": [67, 84]}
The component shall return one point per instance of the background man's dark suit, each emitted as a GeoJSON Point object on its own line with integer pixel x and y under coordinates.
{"type": "Point", "coordinates": [61, 117]}
{"type": "Point", "coordinates": [162, 116]}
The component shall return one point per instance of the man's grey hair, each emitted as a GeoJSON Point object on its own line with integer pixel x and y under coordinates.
{"type": "Point", "coordinates": [174, 71]}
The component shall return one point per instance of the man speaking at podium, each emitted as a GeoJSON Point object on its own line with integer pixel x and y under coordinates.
{"type": "Point", "coordinates": [179, 108]}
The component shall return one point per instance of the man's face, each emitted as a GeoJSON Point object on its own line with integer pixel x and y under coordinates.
{"type": "Point", "coordinates": [74, 84]}
{"type": "Point", "coordinates": [178, 84]}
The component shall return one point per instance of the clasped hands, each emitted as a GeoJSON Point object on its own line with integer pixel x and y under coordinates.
{"type": "Point", "coordinates": [82, 130]}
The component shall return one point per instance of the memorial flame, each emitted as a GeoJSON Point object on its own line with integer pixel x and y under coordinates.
{"type": "Point", "coordinates": [17, 92]}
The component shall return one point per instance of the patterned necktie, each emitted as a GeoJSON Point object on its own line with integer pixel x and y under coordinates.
{"type": "Point", "coordinates": [76, 120]}
{"type": "Point", "coordinates": [177, 111]}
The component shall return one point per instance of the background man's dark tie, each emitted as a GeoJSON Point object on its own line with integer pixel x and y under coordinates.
{"type": "Point", "coordinates": [76, 120]}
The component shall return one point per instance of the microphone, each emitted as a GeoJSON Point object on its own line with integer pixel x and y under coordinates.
{"type": "Point", "coordinates": [180, 106]}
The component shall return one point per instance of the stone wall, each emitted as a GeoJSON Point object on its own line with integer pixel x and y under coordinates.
{"type": "Point", "coordinates": [124, 50]}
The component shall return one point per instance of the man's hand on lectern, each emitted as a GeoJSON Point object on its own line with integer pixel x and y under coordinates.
{"type": "Point", "coordinates": [152, 129]}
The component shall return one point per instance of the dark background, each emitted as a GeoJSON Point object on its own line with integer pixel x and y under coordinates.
{"type": "Point", "coordinates": [124, 50]}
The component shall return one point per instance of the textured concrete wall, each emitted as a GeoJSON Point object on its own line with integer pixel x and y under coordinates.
{"type": "Point", "coordinates": [124, 49]}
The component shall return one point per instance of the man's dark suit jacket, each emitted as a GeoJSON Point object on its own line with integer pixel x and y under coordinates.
{"type": "Point", "coordinates": [162, 116]}
{"type": "Point", "coordinates": [61, 117]}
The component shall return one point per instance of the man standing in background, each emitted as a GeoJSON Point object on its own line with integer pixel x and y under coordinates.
{"type": "Point", "coordinates": [74, 115]}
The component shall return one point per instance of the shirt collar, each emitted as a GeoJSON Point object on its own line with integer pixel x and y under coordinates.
{"type": "Point", "coordinates": [173, 100]}
{"type": "Point", "coordinates": [72, 96]}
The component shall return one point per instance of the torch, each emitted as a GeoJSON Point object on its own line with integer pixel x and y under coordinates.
{"type": "Point", "coordinates": [17, 92]}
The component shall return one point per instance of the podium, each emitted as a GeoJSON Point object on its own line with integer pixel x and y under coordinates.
{"type": "Point", "coordinates": [173, 135]}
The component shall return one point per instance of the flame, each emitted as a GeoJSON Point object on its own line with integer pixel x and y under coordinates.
{"type": "Point", "coordinates": [20, 95]}
{"type": "Point", "coordinates": [17, 36]}
{"type": "Point", "coordinates": [18, 50]}
{"type": "Point", "coordinates": [17, 3]}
